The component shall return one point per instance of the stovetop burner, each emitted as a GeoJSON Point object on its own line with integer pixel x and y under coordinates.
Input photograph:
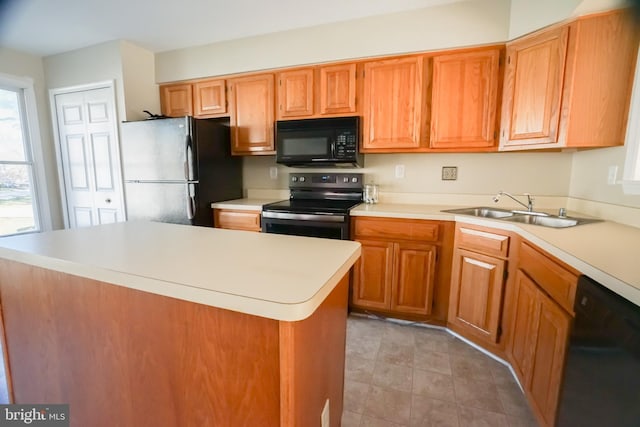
{"type": "Point", "coordinates": [312, 206]}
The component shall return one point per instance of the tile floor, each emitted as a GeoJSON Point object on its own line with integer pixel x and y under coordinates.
{"type": "Point", "coordinates": [406, 375]}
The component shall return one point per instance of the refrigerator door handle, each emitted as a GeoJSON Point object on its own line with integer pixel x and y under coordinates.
{"type": "Point", "coordinates": [188, 161]}
{"type": "Point", "coordinates": [191, 201]}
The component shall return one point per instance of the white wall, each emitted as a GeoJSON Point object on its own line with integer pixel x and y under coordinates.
{"type": "Point", "coordinates": [465, 23]}
{"type": "Point", "coordinates": [25, 65]}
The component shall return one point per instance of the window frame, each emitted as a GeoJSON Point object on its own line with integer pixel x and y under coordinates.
{"type": "Point", "coordinates": [33, 149]}
{"type": "Point", "coordinates": [631, 174]}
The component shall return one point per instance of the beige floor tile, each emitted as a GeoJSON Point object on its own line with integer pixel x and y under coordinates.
{"type": "Point", "coordinates": [426, 411]}
{"type": "Point", "coordinates": [428, 339]}
{"type": "Point", "coordinates": [358, 326]}
{"type": "Point", "coordinates": [391, 376]}
{"type": "Point", "coordinates": [503, 376]}
{"type": "Point", "coordinates": [398, 354]}
{"type": "Point", "coordinates": [472, 417]}
{"type": "Point", "coordinates": [433, 384]}
{"type": "Point", "coordinates": [355, 396]}
{"type": "Point", "coordinates": [514, 402]}
{"type": "Point", "coordinates": [351, 419]}
{"type": "Point", "coordinates": [389, 405]}
{"type": "Point", "coordinates": [377, 422]}
{"type": "Point", "coordinates": [461, 348]}
{"type": "Point", "coordinates": [477, 394]}
{"type": "Point", "coordinates": [363, 346]}
{"type": "Point", "coordinates": [435, 361]}
{"type": "Point", "coordinates": [521, 422]}
{"type": "Point", "coordinates": [474, 367]}
{"type": "Point", "coordinates": [359, 369]}
{"type": "Point", "coordinates": [399, 334]}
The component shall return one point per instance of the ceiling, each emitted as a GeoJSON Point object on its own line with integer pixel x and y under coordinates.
{"type": "Point", "coordinates": [47, 27]}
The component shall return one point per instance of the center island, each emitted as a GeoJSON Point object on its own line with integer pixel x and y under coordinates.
{"type": "Point", "coordinates": [152, 324]}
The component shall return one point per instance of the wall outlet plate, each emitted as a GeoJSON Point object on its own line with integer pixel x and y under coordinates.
{"type": "Point", "coordinates": [449, 173]}
{"type": "Point", "coordinates": [273, 172]}
{"type": "Point", "coordinates": [399, 171]}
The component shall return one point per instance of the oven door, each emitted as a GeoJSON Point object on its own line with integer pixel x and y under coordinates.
{"type": "Point", "coordinates": [309, 225]}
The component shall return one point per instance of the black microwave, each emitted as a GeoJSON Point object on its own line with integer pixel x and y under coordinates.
{"type": "Point", "coordinates": [319, 142]}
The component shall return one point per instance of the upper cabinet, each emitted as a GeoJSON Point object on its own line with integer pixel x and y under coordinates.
{"type": "Point", "coordinates": [337, 89]}
{"type": "Point", "coordinates": [251, 108]}
{"type": "Point", "coordinates": [210, 98]}
{"type": "Point", "coordinates": [317, 92]}
{"type": "Point", "coordinates": [392, 109]}
{"type": "Point", "coordinates": [570, 86]}
{"type": "Point", "coordinates": [176, 100]}
{"type": "Point", "coordinates": [295, 94]}
{"type": "Point", "coordinates": [464, 99]}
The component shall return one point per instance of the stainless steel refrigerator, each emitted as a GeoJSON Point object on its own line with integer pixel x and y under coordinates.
{"type": "Point", "coordinates": [175, 168]}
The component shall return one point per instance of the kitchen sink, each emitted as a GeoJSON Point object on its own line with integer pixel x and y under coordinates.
{"type": "Point", "coordinates": [550, 221]}
{"type": "Point", "coordinates": [483, 212]}
{"type": "Point", "coordinates": [535, 218]}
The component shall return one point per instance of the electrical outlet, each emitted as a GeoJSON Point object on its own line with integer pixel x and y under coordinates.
{"type": "Point", "coordinates": [325, 421]}
{"type": "Point", "coordinates": [613, 175]}
{"type": "Point", "coordinates": [399, 171]}
{"type": "Point", "coordinates": [449, 173]}
{"type": "Point", "coordinates": [273, 172]}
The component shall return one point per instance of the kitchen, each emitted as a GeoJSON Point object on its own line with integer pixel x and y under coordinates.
{"type": "Point", "coordinates": [572, 179]}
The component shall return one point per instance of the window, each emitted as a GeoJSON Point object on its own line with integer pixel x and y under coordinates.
{"type": "Point", "coordinates": [19, 201]}
{"type": "Point", "coordinates": [631, 177]}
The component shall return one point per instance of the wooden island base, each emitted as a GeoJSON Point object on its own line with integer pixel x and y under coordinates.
{"type": "Point", "coordinates": [124, 357]}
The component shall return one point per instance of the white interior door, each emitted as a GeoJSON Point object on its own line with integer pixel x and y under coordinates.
{"type": "Point", "coordinates": [89, 157]}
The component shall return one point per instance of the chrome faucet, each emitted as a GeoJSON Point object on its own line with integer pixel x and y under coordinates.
{"type": "Point", "coordinates": [529, 204]}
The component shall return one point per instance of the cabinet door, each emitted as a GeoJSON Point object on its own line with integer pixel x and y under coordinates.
{"type": "Point", "coordinates": [412, 288]}
{"type": "Point", "coordinates": [236, 220]}
{"type": "Point", "coordinates": [548, 360]}
{"type": "Point", "coordinates": [252, 114]}
{"type": "Point", "coordinates": [295, 93]}
{"type": "Point", "coordinates": [533, 86]}
{"type": "Point", "coordinates": [393, 104]}
{"type": "Point", "coordinates": [464, 99]}
{"type": "Point", "coordinates": [476, 294]}
{"type": "Point", "coordinates": [176, 100]}
{"type": "Point", "coordinates": [523, 324]}
{"type": "Point", "coordinates": [210, 98]}
{"type": "Point", "coordinates": [337, 89]}
{"type": "Point", "coordinates": [372, 275]}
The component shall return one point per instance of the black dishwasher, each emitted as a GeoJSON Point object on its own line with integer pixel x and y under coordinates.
{"type": "Point", "coordinates": [601, 384]}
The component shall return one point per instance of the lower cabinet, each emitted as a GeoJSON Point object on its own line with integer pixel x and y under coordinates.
{"type": "Point", "coordinates": [539, 334]}
{"type": "Point", "coordinates": [478, 284]}
{"type": "Point", "coordinates": [232, 219]}
{"type": "Point", "coordinates": [399, 270]}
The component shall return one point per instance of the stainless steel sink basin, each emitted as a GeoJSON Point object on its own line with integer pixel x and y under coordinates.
{"type": "Point", "coordinates": [550, 221]}
{"type": "Point", "coordinates": [535, 218]}
{"type": "Point", "coordinates": [483, 212]}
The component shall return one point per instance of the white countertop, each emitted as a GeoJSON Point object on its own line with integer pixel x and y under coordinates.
{"type": "Point", "coordinates": [267, 275]}
{"type": "Point", "coordinates": [608, 252]}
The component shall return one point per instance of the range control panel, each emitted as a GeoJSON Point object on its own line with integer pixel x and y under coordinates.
{"type": "Point", "coordinates": [351, 181]}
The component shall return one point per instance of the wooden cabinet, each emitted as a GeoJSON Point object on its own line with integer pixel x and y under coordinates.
{"type": "Point", "coordinates": [176, 100]}
{"type": "Point", "coordinates": [295, 94]}
{"type": "Point", "coordinates": [538, 346]}
{"type": "Point", "coordinates": [337, 89]}
{"type": "Point", "coordinates": [539, 328]}
{"type": "Point", "coordinates": [570, 86]}
{"type": "Point", "coordinates": [478, 283]}
{"type": "Point", "coordinates": [398, 271]}
{"type": "Point", "coordinates": [464, 99]}
{"type": "Point", "coordinates": [209, 98]}
{"type": "Point", "coordinates": [251, 108]}
{"type": "Point", "coordinates": [233, 219]}
{"type": "Point", "coordinates": [393, 105]}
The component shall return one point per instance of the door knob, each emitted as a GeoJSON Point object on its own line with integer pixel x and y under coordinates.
{"type": "Point", "coordinates": [107, 200]}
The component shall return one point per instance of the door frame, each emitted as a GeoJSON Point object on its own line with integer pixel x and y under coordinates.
{"type": "Point", "coordinates": [110, 86]}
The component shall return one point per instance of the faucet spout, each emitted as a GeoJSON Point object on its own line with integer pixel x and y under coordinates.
{"type": "Point", "coordinates": [528, 205]}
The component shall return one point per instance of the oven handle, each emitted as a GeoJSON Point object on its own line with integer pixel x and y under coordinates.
{"type": "Point", "coordinates": [304, 217]}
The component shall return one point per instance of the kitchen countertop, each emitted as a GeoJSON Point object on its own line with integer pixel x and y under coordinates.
{"type": "Point", "coordinates": [243, 204]}
{"type": "Point", "coordinates": [268, 275]}
{"type": "Point", "coordinates": [605, 251]}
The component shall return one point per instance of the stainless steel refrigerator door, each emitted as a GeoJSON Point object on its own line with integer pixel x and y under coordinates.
{"type": "Point", "coordinates": [158, 150]}
{"type": "Point", "coordinates": [162, 202]}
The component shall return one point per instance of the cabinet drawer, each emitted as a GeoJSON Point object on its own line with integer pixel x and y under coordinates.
{"type": "Point", "coordinates": [486, 242]}
{"type": "Point", "coordinates": [405, 229]}
{"type": "Point", "coordinates": [236, 219]}
{"type": "Point", "coordinates": [559, 282]}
